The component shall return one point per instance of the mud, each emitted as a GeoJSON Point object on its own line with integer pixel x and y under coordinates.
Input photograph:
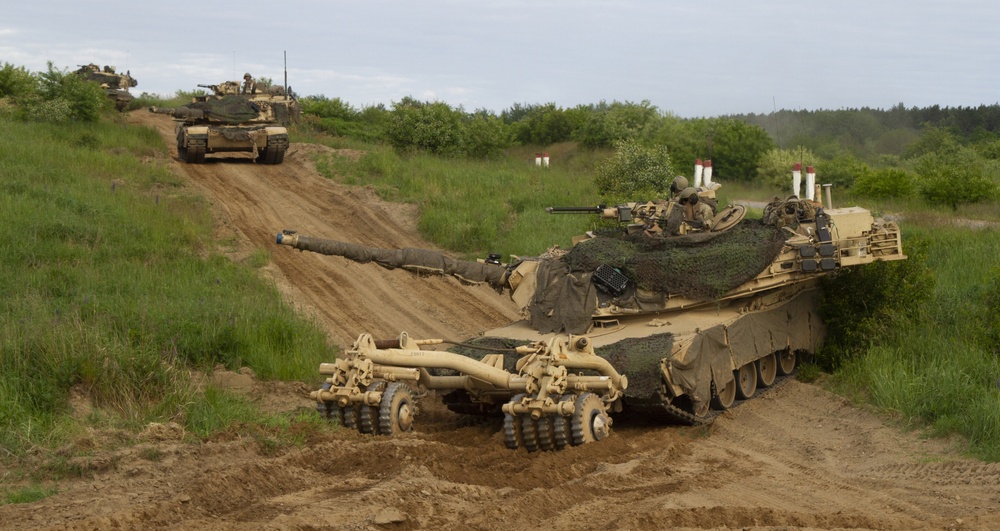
{"type": "Point", "coordinates": [796, 457]}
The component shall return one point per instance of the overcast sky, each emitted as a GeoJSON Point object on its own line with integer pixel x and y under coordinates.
{"type": "Point", "coordinates": [687, 58]}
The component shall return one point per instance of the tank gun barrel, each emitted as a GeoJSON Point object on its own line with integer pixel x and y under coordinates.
{"type": "Point", "coordinates": [184, 113]}
{"type": "Point", "coordinates": [416, 260]}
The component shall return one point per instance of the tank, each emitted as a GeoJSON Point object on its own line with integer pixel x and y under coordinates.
{"type": "Point", "coordinates": [115, 85]}
{"type": "Point", "coordinates": [665, 319]}
{"type": "Point", "coordinates": [229, 120]}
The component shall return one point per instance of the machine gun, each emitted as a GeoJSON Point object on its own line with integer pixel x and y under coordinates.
{"type": "Point", "coordinates": [654, 216]}
{"type": "Point", "coordinates": [225, 88]}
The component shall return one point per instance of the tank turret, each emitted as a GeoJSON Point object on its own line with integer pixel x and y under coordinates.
{"type": "Point", "coordinates": [230, 121]}
{"type": "Point", "coordinates": [679, 324]}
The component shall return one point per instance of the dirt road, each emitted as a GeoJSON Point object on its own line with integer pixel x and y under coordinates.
{"type": "Point", "coordinates": [797, 457]}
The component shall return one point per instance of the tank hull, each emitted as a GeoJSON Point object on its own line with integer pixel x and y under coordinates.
{"type": "Point", "coordinates": [267, 143]}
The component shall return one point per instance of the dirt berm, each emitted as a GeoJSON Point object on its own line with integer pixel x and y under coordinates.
{"type": "Point", "coordinates": [797, 457]}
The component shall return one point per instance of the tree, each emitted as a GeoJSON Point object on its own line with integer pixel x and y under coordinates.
{"type": "Point", "coordinates": [610, 123]}
{"type": "Point", "coordinates": [737, 148]}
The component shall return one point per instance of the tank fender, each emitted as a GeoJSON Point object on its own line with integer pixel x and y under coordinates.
{"type": "Point", "coordinates": [198, 131]}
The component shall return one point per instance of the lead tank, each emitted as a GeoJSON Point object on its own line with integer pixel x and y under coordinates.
{"type": "Point", "coordinates": [115, 85]}
{"type": "Point", "coordinates": [679, 325]}
{"type": "Point", "coordinates": [229, 121]}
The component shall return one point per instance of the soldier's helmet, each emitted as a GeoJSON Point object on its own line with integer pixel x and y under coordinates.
{"type": "Point", "coordinates": [679, 183]}
{"type": "Point", "coordinates": [689, 195]}
{"type": "Point", "coordinates": [247, 76]}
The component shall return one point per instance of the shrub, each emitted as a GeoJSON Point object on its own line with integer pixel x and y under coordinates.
{"type": "Point", "coordinates": [953, 180]}
{"type": "Point", "coordinates": [85, 99]}
{"type": "Point", "coordinates": [775, 167]}
{"type": "Point", "coordinates": [860, 305]}
{"type": "Point", "coordinates": [884, 183]}
{"type": "Point", "coordinates": [486, 136]}
{"type": "Point", "coordinates": [16, 82]}
{"type": "Point", "coordinates": [635, 173]}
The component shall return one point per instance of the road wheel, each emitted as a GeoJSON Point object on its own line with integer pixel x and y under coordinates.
{"type": "Point", "coordinates": [786, 362]}
{"type": "Point", "coordinates": [767, 370]}
{"type": "Point", "coordinates": [723, 398]}
{"type": "Point", "coordinates": [746, 381]}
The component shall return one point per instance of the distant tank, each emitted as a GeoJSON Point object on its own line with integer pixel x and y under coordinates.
{"type": "Point", "coordinates": [680, 324]}
{"type": "Point", "coordinates": [115, 85]}
{"type": "Point", "coordinates": [231, 120]}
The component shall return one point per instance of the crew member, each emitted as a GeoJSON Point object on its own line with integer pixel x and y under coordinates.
{"type": "Point", "coordinates": [249, 85]}
{"type": "Point", "coordinates": [697, 214]}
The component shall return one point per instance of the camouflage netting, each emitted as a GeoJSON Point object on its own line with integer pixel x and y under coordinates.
{"type": "Point", "coordinates": [637, 358]}
{"type": "Point", "coordinates": [696, 266]}
{"type": "Point", "coordinates": [481, 346]}
{"type": "Point", "coordinates": [228, 109]}
{"type": "Point", "coordinates": [416, 260]}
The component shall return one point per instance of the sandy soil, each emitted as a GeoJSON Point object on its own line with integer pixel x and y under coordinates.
{"type": "Point", "coordinates": [796, 457]}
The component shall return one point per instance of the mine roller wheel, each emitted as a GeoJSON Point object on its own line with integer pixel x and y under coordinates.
{"type": "Point", "coordinates": [546, 432]}
{"type": "Point", "coordinates": [396, 410]}
{"type": "Point", "coordinates": [368, 418]}
{"type": "Point", "coordinates": [786, 362]}
{"type": "Point", "coordinates": [562, 431]}
{"type": "Point", "coordinates": [330, 410]}
{"type": "Point", "coordinates": [724, 398]}
{"type": "Point", "coordinates": [512, 426]}
{"type": "Point", "coordinates": [767, 370]}
{"type": "Point", "coordinates": [529, 433]}
{"type": "Point", "coordinates": [352, 417]}
{"type": "Point", "coordinates": [746, 380]}
{"type": "Point", "coordinates": [590, 423]}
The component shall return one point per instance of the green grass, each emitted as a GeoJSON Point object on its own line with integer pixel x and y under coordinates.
{"type": "Point", "coordinates": [112, 282]}
{"type": "Point", "coordinates": [476, 207]}
{"type": "Point", "coordinates": [940, 369]}
{"type": "Point", "coordinates": [28, 494]}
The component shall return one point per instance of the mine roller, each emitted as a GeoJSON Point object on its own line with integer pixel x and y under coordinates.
{"type": "Point", "coordinates": [230, 120]}
{"type": "Point", "coordinates": [665, 318]}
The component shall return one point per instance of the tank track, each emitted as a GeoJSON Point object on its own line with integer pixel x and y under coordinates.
{"type": "Point", "coordinates": [684, 416]}
{"type": "Point", "coordinates": [195, 153]}
{"type": "Point", "coordinates": [274, 152]}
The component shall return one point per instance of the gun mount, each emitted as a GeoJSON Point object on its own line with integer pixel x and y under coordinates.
{"type": "Point", "coordinates": [227, 121]}
{"type": "Point", "coordinates": [682, 326]}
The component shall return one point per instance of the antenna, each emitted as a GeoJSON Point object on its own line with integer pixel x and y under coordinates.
{"type": "Point", "coordinates": [286, 73]}
{"type": "Point", "coordinates": [234, 65]}
{"type": "Point", "coordinates": [774, 115]}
